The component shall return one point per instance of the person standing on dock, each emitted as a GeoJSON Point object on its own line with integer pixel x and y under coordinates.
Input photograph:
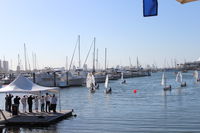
{"type": "Point", "coordinates": [6, 103]}
{"type": "Point", "coordinates": [16, 101]}
{"type": "Point", "coordinates": [42, 103]}
{"type": "Point", "coordinates": [54, 103]}
{"type": "Point", "coordinates": [23, 101]}
{"type": "Point", "coordinates": [9, 102]}
{"type": "Point", "coordinates": [47, 99]}
{"type": "Point", "coordinates": [36, 103]}
{"type": "Point", "coordinates": [30, 103]}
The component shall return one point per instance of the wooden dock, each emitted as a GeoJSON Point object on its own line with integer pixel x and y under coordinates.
{"type": "Point", "coordinates": [33, 119]}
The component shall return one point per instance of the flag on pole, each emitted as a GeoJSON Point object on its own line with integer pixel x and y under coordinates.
{"type": "Point", "coordinates": [150, 8]}
{"type": "Point", "coordinates": [185, 1]}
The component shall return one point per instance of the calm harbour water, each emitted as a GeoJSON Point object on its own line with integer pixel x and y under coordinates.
{"type": "Point", "coordinates": [149, 110]}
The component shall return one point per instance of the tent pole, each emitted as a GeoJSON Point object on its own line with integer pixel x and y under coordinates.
{"type": "Point", "coordinates": [59, 101]}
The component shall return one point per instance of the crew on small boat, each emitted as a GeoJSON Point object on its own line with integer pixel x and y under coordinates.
{"type": "Point", "coordinates": [167, 88]}
{"type": "Point", "coordinates": [96, 85]}
{"type": "Point", "coordinates": [124, 81]}
{"type": "Point", "coordinates": [109, 90]}
{"type": "Point", "coordinates": [183, 84]}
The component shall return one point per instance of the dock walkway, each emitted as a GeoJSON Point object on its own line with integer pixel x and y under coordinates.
{"type": "Point", "coordinates": [36, 118]}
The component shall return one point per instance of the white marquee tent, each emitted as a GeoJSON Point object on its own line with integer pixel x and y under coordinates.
{"type": "Point", "coordinates": [23, 85]}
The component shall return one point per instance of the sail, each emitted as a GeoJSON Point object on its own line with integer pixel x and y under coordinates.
{"type": "Point", "coordinates": [92, 81]}
{"type": "Point", "coordinates": [179, 77]}
{"type": "Point", "coordinates": [106, 82]}
{"type": "Point", "coordinates": [196, 75]}
{"type": "Point", "coordinates": [163, 82]}
{"type": "Point", "coordinates": [122, 76]}
{"type": "Point", "coordinates": [88, 80]}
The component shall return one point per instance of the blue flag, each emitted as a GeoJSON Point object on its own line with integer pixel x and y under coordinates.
{"type": "Point", "coordinates": [150, 8]}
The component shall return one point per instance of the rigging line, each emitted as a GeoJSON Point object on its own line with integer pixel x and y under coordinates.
{"type": "Point", "coordinates": [73, 55]}
{"type": "Point", "coordinates": [88, 52]}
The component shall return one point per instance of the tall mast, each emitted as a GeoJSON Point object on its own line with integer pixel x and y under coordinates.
{"type": "Point", "coordinates": [66, 67]}
{"type": "Point", "coordinates": [18, 60]}
{"type": "Point", "coordinates": [33, 60]}
{"type": "Point", "coordinates": [25, 57]}
{"type": "Point", "coordinates": [79, 50]}
{"type": "Point", "coordinates": [94, 56]}
{"type": "Point", "coordinates": [97, 59]}
{"type": "Point", "coordinates": [130, 61]}
{"type": "Point", "coordinates": [137, 63]}
{"type": "Point", "coordinates": [105, 57]}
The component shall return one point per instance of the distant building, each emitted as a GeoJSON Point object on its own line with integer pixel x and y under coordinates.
{"type": "Point", "coordinates": [18, 69]}
{"type": "Point", "coordinates": [5, 66]}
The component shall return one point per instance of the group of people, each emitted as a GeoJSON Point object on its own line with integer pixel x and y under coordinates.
{"type": "Point", "coordinates": [47, 102]}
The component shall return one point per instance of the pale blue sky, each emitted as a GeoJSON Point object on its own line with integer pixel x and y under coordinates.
{"type": "Point", "coordinates": [50, 29]}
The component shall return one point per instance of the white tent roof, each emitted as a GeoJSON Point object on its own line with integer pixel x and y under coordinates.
{"type": "Point", "coordinates": [22, 84]}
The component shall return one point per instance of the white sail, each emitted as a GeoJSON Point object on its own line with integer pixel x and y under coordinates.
{"type": "Point", "coordinates": [106, 82]}
{"type": "Point", "coordinates": [122, 76]}
{"type": "Point", "coordinates": [93, 79]}
{"type": "Point", "coordinates": [179, 77]}
{"type": "Point", "coordinates": [196, 75]}
{"type": "Point", "coordinates": [88, 80]}
{"type": "Point", "coordinates": [163, 82]}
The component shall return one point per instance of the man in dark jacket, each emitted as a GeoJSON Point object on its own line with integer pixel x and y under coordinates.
{"type": "Point", "coordinates": [16, 101]}
{"type": "Point", "coordinates": [9, 102]}
{"type": "Point", "coordinates": [6, 103]}
{"type": "Point", "coordinates": [30, 103]}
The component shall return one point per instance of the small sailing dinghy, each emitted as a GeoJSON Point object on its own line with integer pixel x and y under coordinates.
{"type": "Point", "coordinates": [90, 82]}
{"type": "Point", "coordinates": [122, 78]}
{"type": "Point", "coordinates": [179, 79]}
{"type": "Point", "coordinates": [107, 87]}
{"type": "Point", "coordinates": [196, 76]}
{"type": "Point", "coordinates": [164, 83]}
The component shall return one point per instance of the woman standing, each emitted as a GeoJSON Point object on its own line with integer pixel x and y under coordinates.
{"type": "Point", "coordinates": [23, 101]}
{"type": "Point", "coordinates": [36, 103]}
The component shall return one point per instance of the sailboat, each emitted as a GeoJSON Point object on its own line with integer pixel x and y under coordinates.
{"type": "Point", "coordinates": [90, 82]}
{"type": "Point", "coordinates": [179, 79]}
{"type": "Point", "coordinates": [122, 78]}
{"type": "Point", "coordinates": [108, 88]}
{"type": "Point", "coordinates": [196, 76]}
{"type": "Point", "coordinates": [164, 82]}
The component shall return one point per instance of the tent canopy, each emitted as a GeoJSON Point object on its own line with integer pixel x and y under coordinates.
{"type": "Point", "coordinates": [22, 84]}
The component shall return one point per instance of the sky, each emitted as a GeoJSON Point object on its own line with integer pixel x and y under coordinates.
{"type": "Point", "coordinates": [50, 29]}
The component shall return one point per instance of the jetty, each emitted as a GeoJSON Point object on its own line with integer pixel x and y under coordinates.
{"type": "Point", "coordinates": [33, 119]}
